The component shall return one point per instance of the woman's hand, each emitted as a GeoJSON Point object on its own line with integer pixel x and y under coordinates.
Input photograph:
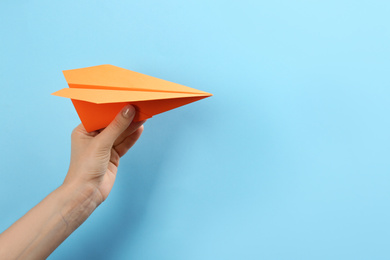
{"type": "Point", "coordinates": [95, 156]}
{"type": "Point", "coordinates": [94, 163]}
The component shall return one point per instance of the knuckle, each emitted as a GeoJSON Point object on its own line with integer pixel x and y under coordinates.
{"type": "Point", "coordinates": [74, 134]}
{"type": "Point", "coordinates": [117, 124]}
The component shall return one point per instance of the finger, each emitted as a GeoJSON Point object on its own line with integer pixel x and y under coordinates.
{"type": "Point", "coordinates": [114, 159]}
{"type": "Point", "coordinates": [80, 128]}
{"type": "Point", "coordinates": [80, 131]}
{"type": "Point", "coordinates": [107, 137]}
{"type": "Point", "coordinates": [123, 147]}
{"type": "Point", "coordinates": [131, 129]}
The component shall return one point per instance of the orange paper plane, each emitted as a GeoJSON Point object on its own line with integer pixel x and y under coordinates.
{"type": "Point", "coordinates": [98, 93]}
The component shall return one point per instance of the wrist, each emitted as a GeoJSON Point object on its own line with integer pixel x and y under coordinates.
{"type": "Point", "coordinates": [78, 202]}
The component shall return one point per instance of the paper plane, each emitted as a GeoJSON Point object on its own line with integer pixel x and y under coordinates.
{"type": "Point", "coordinates": [98, 93]}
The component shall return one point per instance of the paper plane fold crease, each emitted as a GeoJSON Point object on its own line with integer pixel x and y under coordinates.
{"type": "Point", "coordinates": [98, 94]}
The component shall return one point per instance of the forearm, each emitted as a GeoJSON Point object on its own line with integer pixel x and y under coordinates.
{"type": "Point", "coordinates": [38, 233]}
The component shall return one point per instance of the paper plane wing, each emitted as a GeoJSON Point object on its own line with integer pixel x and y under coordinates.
{"type": "Point", "coordinates": [100, 92]}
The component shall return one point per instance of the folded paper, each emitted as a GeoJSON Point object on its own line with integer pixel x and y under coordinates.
{"type": "Point", "coordinates": [98, 94]}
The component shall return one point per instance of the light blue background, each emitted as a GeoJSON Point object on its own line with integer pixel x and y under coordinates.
{"type": "Point", "coordinates": [288, 160]}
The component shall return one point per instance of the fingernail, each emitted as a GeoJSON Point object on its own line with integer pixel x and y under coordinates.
{"type": "Point", "coordinates": [127, 111]}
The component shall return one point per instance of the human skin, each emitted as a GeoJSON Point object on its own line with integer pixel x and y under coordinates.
{"type": "Point", "coordinates": [93, 167]}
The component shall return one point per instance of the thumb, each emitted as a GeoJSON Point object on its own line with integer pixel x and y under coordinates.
{"type": "Point", "coordinates": [122, 120]}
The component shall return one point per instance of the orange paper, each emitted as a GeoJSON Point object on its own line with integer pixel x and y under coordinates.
{"type": "Point", "coordinates": [98, 93]}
